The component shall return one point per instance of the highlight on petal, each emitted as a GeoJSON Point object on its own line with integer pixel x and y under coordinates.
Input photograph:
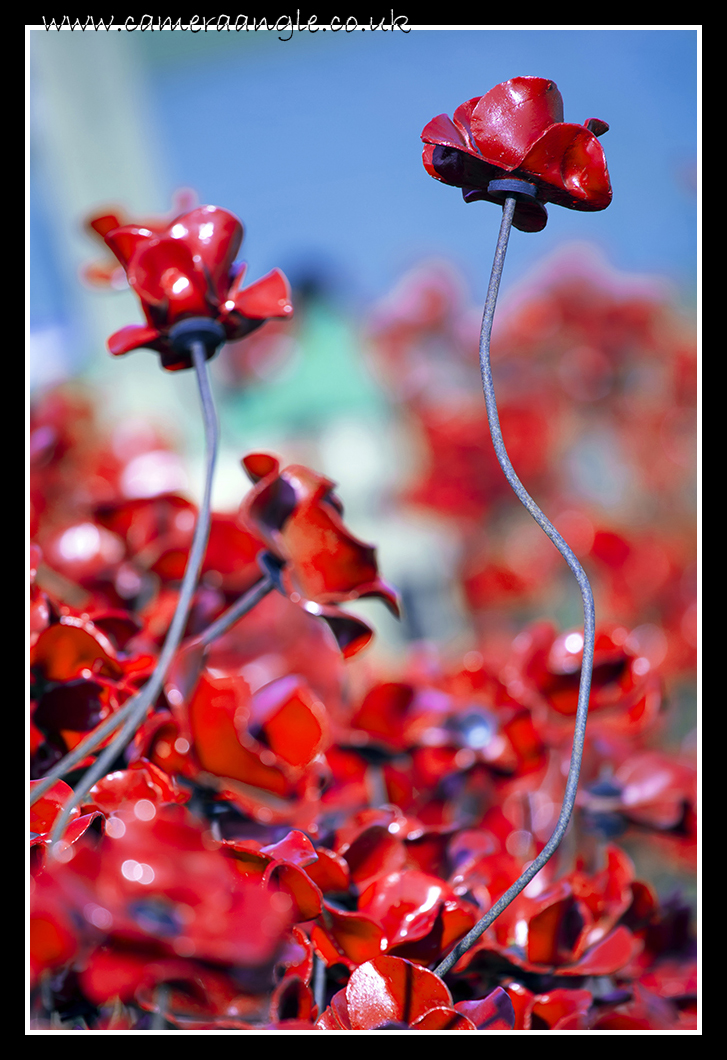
{"type": "Point", "coordinates": [126, 241]}
{"type": "Point", "coordinates": [512, 116]}
{"type": "Point", "coordinates": [390, 989]}
{"type": "Point", "coordinates": [266, 297]}
{"type": "Point", "coordinates": [213, 236]}
{"type": "Point", "coordinates": [186, 269]}
{"type": "Point", "coordinates": [164, 274]}
{"type": "Point", "coordinates": [517, 130]}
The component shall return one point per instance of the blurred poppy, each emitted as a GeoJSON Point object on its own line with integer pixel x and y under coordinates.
{"type": "Point", "coordinates": [262, 751]}
{"type": "Point", "coordinates": [158, 879]}
{"type": "Point", "coordinates": [626, 695]}
{"type": "Point", "coordinates": [43, 814]}
{"type": "Point", "coordinates": [517, 130]}
{"type": "Point", "coordinates": [81, 675]}
{"type": "Point", "coordinates": [572, 927]}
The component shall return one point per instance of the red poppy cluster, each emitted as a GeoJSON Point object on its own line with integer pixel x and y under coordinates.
{"type": "Point", "coordinates": [596, 381]}
{"type": "Point", "coordinates": [279, 813]}
{"type": "Point", "coordinates": [296, 838]}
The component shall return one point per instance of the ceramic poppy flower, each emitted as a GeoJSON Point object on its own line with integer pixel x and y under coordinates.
{"type": "Point", "coordinates": [43, 814]}
{"type": "Point", "coordinates": [421, 915]}
{"type": "Point", "coordinates": [517, 131]}
{"type": "Point", "coordinates": [80, 675]}
{"type": "Point", "coordinates": [626, 693]}
{"type": "Point", "coordinates": [650, 789]}
{"type": "Point", "coordinates": [390, 993]}
{"type": "Point", "coordinates": [260, 750]}
{"type": "Point", "coordinates": [279, 867]}
{"type": "Point", "coordinates": [300, 518]}
{"type": "Point", "coordinates": [573, 927]}
{"type": "Point", "coordinates": [297, 515]}
{"type": "Point", "coordinates": [187, 271]}
{"type": "Point", "coordinates": [158, 880]}
{"type": "Point", "coordinates": [558, 1010]}
{"type": "Point", "coordinates": [108, 273]}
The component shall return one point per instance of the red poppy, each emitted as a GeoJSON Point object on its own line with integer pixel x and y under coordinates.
{"type": "Point", "coordinates": [108, 273]}
{"type": "Point", "coordinates": [517, 130]}
{"type": "Point", "coordinates": [651, 790]}
{"type": "Point", "coordinates": [81, 675]}
{"type": "Point", "coordinates": [390, 993]}
{"type": "Point", "coordinates": [261, 751]}
{"type": "Point", "coordinates": [558, 1010]}
{"type": "Point", "coordinates": [461, 477]}
{"type": "Point", "coordinates": [572, 927]}
{"type": "Point", "coordinates": [298, 516]}
{"type": "Point", "coordinates": [142, 782]}
{"type": "Point", "coordinates": [187, 271]}
{"type": "Point", "coordinates": [43, 814]}
{"type": "Point", "coordinates": [279, 868]}
{"type": "Point", "coordinates": [158, 880]}
{"type": "Point", "coordinates": [421, 915]}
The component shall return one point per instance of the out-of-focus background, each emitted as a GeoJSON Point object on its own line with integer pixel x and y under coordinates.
{"type": "Point", "coordinates": [314, 142]}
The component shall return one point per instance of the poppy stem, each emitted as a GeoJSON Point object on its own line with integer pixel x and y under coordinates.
{"type": "Point", "coordinates": [525, 499]}
{"type": "Point", "coordinates": [138, 706]}
{"type": "Point", "coordinates": [240, 608]}
{"type": "Point", "coordinates": [319, 982]}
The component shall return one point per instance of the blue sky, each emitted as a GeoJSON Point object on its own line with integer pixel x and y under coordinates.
{"type": "Point", "coordinates": [315, 143]}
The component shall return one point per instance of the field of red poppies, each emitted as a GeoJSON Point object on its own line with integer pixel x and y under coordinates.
{"type": "Point", "coordinates": [301, 829]}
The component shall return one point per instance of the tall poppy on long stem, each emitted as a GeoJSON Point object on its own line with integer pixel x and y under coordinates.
{"type": "Point", "coordinates": [193, 299]}
{"type": "Point", "coordinates": [511, 146]}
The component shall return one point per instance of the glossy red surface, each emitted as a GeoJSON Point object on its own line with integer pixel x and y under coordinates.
{"type": "Point", "coordinates": [186, 270]}
{"type": "Point", "coordinates": [296, 513]}
{"type": "Point", "coordinates": [517, 130]}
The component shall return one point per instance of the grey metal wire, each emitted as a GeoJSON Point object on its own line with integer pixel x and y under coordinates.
{"type": "Point", "coordinates": [319, 982]}
{"type": "Point", "coordinates": [236, 611]}
{"type": "Point", "coordinates": [137, 708]}
{"type": "Point", "coordinates": [589, 619]}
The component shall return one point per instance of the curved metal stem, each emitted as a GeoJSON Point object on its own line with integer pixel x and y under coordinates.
{"type": "Point", "coordinates": [88, 744]}
{"type": "Point", "coordinates": [137, 708]}
{"type": "Point", "coordinates": [588, 610]}
{"type": "Point", "coordinates": [237, 610]}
